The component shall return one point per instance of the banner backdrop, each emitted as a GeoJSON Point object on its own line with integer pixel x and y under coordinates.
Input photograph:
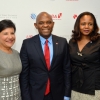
{"type": "Point", "coordinates": [64, 13]}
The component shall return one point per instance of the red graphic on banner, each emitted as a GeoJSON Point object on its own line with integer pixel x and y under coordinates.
{"type": "Point", "coordinates": [59, 15]}
{"type": "Point", "coordinates": [74, 16]}
{"type": "Point", "coordinates": [56, 16]}
{"type": "Point", "coordinates": [29, 36]}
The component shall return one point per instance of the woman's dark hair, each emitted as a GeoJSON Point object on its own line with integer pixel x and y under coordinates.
{"type": "Point", "coordinates": [76, 32]}
{"type": "Point", "coordinates": [6, 24]}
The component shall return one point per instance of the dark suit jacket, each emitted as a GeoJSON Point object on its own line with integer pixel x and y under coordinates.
{"type": "Point", "coordinates": [34, 74]}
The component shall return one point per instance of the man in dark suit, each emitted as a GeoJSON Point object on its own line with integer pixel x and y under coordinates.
{"type": "Point", "coordinates": [36, 80]}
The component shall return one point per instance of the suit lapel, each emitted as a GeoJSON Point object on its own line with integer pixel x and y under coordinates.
{"type": "Point", "coordinates": [55, 48]}
{"type": "Point", "coordinates": [39, 49]}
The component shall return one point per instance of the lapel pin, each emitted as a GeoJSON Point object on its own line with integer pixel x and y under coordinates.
{"type": "Point", "coordinates": [56, 43]}
{"type": "Point", "coordinates": [79, 54]}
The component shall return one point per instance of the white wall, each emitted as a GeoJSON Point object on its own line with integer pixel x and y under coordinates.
{"type": "Point", "coordinates": [21, 11]}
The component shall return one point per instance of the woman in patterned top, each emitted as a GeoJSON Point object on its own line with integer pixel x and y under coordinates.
{"type": "Point", "coordinates": [10, 64]}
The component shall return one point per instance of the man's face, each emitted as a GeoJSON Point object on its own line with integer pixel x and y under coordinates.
{"type": "Point", "coordinates": [44, 24]}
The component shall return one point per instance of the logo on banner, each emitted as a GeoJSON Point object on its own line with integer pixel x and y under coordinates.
{"type": "Point", "coordinates": [33, 16]}
{"type": "Point", "coordinates": [8, 16]}
{"type": "Point", "coordinates": [56, 16]}
{"type": "Point", "coordinates": [29, 36]}
{"type": "Point", "coordinates": [74, 16]}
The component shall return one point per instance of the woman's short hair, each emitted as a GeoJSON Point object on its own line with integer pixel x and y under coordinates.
{"type": "Point", "coordinates": [6, 23]}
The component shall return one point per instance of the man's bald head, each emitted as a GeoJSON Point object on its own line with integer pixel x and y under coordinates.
{"type": "Point", "coordinates": [44, 24]}
{"type": "Point", "coordinates": [43, 14]}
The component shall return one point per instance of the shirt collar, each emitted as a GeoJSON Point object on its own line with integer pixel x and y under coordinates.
{"type": "Point", "coordinates": [43, 39]}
